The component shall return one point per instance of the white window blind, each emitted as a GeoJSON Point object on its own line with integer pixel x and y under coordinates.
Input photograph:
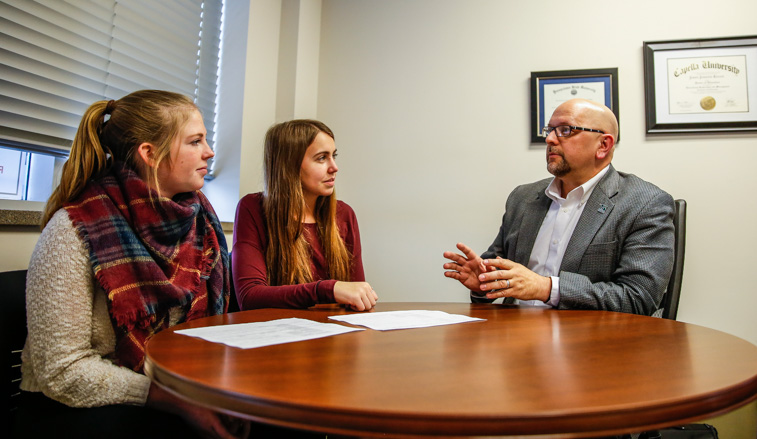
{"type": "Point", "coordinates": [58, 57]}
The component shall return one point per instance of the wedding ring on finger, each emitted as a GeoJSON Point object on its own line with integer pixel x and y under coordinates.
{"type": "Point", "coordinates": [508, 284]}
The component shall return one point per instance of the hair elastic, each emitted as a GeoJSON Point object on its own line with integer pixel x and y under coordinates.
{"type": "Point", "coordinates": [110, 107]}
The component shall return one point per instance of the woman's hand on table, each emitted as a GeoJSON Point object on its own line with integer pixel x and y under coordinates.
{"type": "Point", "coordinates": [356, 295]}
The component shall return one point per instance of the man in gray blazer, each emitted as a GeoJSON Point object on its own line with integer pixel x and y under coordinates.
{"type": "Point", "coordinates": [589, 238]}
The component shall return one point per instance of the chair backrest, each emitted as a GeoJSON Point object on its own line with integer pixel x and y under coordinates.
{"type": "Point", "coordinates": [673, 293]}
{"type": "Point", "coordinates": [13, 334]}
{"type": "Point", "coordinates": [233, 302]}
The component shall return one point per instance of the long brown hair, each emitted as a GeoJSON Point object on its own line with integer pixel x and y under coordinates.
{"type": "Point", "coordinates": [146, 116]}
{"type": "Point", "coordinates": [288, 253]}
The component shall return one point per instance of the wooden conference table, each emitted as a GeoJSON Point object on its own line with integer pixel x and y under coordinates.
{"type": "Point", "coordinates": [524, 371]}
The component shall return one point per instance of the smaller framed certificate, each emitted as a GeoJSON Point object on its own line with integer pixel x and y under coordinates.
{"type": "Point", "coordinates": [550, 89]}
{"type": "Point", "coordinates": [704, 85]}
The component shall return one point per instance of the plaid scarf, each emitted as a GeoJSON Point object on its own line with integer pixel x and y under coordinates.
{"type": "Point", "coordinates": [150, 255]}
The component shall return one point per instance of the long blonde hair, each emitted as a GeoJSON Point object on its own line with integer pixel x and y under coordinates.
{"type": "Point", "coordinates": [145, 116]}
{"type": "Point", "coordinates": [288, 253]}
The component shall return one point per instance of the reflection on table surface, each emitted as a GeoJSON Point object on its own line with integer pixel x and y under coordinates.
{"type": "Point", "coordinates": [522, 371]}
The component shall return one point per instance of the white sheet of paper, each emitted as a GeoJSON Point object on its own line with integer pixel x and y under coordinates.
{"type": "Point", "coordinates": [259, 334]}
{"type": "Point", "coordinates": [389, 320]}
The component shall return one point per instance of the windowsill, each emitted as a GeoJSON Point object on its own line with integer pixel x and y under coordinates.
{"type": "Point", "coordinates": [20, 213]}
{"type": "Point", "coordinates": [29, 213]}
{"type": "Point", "coordinates": [20, 217]}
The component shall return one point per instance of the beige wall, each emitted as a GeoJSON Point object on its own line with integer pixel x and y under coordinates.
{"type": "Point", "coordinates": [429, 101]}
{"type": "Point", "coordinates": [17, 245]}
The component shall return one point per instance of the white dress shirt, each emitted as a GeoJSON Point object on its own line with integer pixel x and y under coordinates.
{"type": "Point", "coordinates": [556, 230]}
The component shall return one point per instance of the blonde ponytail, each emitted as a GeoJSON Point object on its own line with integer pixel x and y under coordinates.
{"type": "Point", "coordinates": [87, 159]}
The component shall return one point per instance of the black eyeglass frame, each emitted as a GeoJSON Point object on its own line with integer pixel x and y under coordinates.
{"type": "Point", "coordinates": [548, 129]}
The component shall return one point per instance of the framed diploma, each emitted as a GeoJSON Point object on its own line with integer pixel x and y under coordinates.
{"type": "Point", "coordinates": [705, 85]}
{"type": "Point", "coordinates": [550, 89]}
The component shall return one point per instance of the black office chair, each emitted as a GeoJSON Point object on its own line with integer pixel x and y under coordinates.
{"type": "Point", "coordinates": [12, 336]}
{"type": "Point", "coordinates": [233, 302]}
{"type": "Point", "coordinates": [670, 311]}
{"type": "Point", "coordinates": [673, 293]}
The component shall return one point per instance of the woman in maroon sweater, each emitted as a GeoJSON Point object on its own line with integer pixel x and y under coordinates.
{"type": "Point", "coordinates": [295, 245]}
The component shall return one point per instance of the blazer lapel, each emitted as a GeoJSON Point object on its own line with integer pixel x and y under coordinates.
{"type": "Point", "coordinates": [535, 210]}
{"type": "Point", "coordinates": [597, 210]}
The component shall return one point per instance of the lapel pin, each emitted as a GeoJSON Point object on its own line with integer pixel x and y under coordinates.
{"type": "Point", "coordinates": [602, 208]}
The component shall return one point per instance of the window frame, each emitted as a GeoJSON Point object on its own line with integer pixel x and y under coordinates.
{"type": "Point", "coordinates": [56, 32]}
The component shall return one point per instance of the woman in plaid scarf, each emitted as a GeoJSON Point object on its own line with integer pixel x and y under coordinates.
{"type": "Point", "coordinates": [130, 246]}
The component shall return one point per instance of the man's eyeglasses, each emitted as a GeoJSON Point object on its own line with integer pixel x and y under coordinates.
{"type": "Point", "coordinates": [565, 130]}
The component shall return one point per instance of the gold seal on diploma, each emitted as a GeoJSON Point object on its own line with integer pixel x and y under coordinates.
{"type": "Point", "coordinates": [707, 103]}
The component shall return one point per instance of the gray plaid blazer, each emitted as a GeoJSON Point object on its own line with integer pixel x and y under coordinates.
{"type": "Point", "coordinates": [621, 253]}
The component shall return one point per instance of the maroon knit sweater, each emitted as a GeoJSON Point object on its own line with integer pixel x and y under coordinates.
{"type": "Point", "coordinates": [249, 266]}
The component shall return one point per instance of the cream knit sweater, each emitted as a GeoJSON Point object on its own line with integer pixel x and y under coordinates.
{"type": "Point", "coordinates": [71, 340]}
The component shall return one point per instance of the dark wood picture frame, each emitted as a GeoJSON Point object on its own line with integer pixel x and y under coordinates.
{"type": "Point", "coordinates": [562, 85]}
{"type": "Point", "coordinates": [714, 98]}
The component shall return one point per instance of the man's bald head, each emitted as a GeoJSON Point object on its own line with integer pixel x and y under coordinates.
{"type": "Point", "coordinates": [591, 114]}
